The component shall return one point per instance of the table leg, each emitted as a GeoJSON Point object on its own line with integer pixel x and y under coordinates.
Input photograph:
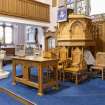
{"type": "Point", "coordinates": [26, 72]}
{"type": "Point", "coordinates": [14, 74]}
{"type": "Point", "coordinates": [56, 87]}
{"type": "Point", "coordinates": [56, 70]}
{"type": "Point", "coordinates": [40, 80]}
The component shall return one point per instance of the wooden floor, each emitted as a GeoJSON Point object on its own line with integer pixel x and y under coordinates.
{"type": "Point", "coordinates": [16, 97]}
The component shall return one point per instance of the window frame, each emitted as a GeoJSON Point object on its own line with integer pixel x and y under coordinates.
{"type": "Point", "coordinates": [4, 34]}
{"type": "Point", "coordinates": [51, 39]}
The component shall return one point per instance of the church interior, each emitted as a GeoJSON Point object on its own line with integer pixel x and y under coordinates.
{"type": "Point", "coordinates": [52, 52]}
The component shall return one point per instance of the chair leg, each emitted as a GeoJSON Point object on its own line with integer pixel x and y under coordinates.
{"type": "Point", "coordinates": [76, 79]}
{"type": "Point", "coordinates": [48, 75]}
{"type": "Point", "coordinates": [59, 75]}
{"type": "Point", "coordinates": [102, 74]}
{"type": "Point", "coordinates": [63, 76]}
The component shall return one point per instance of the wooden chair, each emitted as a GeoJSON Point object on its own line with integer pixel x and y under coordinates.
{"type": "Point", "coordinates": [63, 55]}
{"type": "Point", "coordinates": [47, 54]}
{"type": "Point", "coordinates": [49, 73]}
{"type": "Point", "coordinates": [100, 64]}
{"type": "Point", "coordinates": [77, 68]}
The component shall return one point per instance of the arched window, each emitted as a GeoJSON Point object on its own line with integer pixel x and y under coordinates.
{"type": "Point", "coordinates": [77, 30]}
{"type": "Point", "coordinates": [6, 33]}
{"type": "Point", "coordinates": [1, 34]}
{"type": "Point", "coordinates": [51, 42]}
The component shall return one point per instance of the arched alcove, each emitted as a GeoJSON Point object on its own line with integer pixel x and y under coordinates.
{"type": "Point", "coordinates": [77, 30]}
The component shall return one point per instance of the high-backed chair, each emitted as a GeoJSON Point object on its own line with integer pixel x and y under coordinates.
{"type": "Point", "coordinates": [78, 66]}
{"type": "Point", "coordinates": [63, 55]}
{"type": "Point", "coordinates": [47, 54]}
{"type": "Point", "coordinates": [49, 73]}
{"type": "Point", "coordinates": [100, 64]}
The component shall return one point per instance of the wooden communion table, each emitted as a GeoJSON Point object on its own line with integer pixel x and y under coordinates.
{"type": "Point", "coordinates": [39, 62]}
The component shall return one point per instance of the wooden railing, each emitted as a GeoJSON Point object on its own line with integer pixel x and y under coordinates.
{"type": "Point", "coordinates": [28, 9]}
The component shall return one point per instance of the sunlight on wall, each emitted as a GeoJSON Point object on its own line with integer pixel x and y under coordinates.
{"type": "Point", "coordinates": [97, 6]}
{"type": "Point", "coordinates": [45, 1]}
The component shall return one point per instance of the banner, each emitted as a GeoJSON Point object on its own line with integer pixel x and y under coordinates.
{"type": "Point", "coordinates": [69, 1]}
{"type": "Point", "coordinates": [62, 14]}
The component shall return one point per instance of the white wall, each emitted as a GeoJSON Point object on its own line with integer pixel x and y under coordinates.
{"type": "Point", "coordinates": [41, 37]}
{"type": "Point", "coordinates": [24, 21]}
{"type": "Point", "coordinates": [97, 6]}
{"type": "Point", "coordinates": [21, 34]}
{"type": "Point", "coordinates": [53, 12]}
{"type": "Point", "coordinates": [53, 18]}
{"type": "Point", "coordinates": [15, 33]}
{"type": "Point", "coordinates": [18, 34]}
{"type": "Point", "coordinates": [45, 1]}
{"type": "Point", "coordinates": [18, 31]}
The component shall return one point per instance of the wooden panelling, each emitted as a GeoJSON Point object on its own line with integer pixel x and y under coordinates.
{"type": "Point", "coordinates": [29, 9]}
{"type": "Point", "coordinates": [99, 32]}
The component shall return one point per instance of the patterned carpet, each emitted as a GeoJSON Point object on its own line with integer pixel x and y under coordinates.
{"type": "Point", "coordinates": [91, 92]}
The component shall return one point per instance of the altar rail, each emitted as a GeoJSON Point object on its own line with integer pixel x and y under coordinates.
{"type": "Point", "coordinates": [28, 9]}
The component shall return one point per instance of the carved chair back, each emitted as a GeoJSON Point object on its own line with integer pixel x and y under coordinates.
{"type": "Point", "coordinates": [77, 58]}
{"type": "Point", "coordinates": [100, 59]}
{"type": "Point", "coordinates": [63, 54]}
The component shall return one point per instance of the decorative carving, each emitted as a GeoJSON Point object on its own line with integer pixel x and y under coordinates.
{"type": "Point", "coordinates": [77, 30]}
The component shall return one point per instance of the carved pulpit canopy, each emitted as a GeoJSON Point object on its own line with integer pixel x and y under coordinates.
{"type": "Point", "coordinates": [78, 30]}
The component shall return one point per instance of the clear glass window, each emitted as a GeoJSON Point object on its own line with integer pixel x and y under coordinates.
{"type": "Point", "coordinates": [8, 35]}
{"type": "Point", "coordinates": [51, 43]}
{"type": "Point", "coordinates": [1, 34]}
